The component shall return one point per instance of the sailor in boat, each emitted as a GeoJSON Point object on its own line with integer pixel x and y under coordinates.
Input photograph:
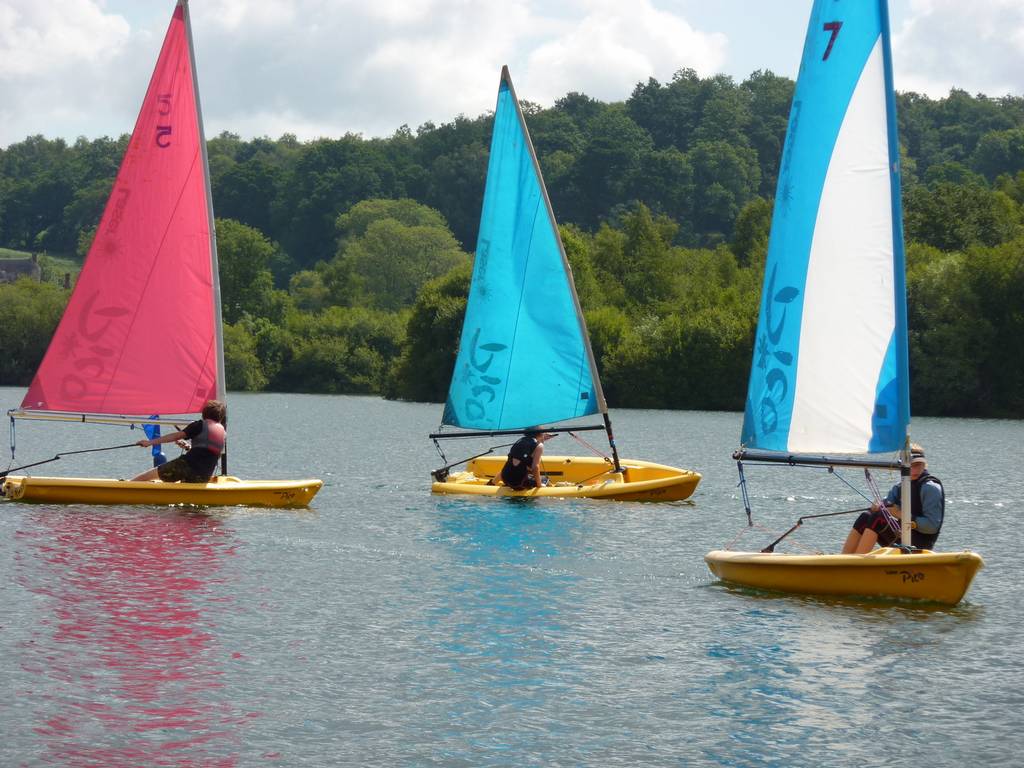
{"type": "Point", "coordinates": [927, 505]}
{"type": "Point", "coordinates": [207, 436]}
{"type": "Point", "coordinates": [522, 468]}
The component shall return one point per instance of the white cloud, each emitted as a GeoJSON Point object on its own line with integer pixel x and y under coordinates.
{"type": "Point", "coordinates": [617, 45]}
{"type": "Point", "coordinates": [327, 67]}
{"type": "Point", "coordinates": [355, 67]}
{"type": "Point", "coordinates": [978, 47]}
{"type": "Point", "coordinates": [274, 124]}
{"type": "Point", "coordinates": [40, 38]}
{"type": "Point", "coordinates": [62, 63]}
{"type": "Point", "coordinates": [370, 67]}
{"type": "Point", "coordinates": [242, 16]}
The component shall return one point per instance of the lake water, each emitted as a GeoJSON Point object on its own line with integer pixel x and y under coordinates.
{"type": "Point", "coordinates": [389, 627]}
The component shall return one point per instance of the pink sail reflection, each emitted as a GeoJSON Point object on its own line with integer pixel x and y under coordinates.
{"type": "Point", "coordinates": [131, 673]}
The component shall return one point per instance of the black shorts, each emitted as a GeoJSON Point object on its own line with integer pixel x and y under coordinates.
{"type": "Point", "coordinates": [879, 522]}
{"type": "Point", "coordinates": [516, 478]}
{"type": "Point", "coordinates": [179, 471]}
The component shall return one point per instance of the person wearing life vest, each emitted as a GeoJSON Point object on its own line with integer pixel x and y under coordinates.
{"type": "Point", "coordinates": [927, 509]}
{"type": "Point", "coordinates": [207, 437]}
{"type": "Point", "coordinates": [522, 467]}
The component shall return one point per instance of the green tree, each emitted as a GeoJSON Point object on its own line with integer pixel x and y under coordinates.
{"type": "Point", "coordinates": [607, 166]}
{"type": "Point", "coordinates": [664, 182]}
{"type": "Point", "coordinates": [328, 176]}
{"type": "Point", "coordinates": [999, 152]}
{"type": "Point", "coordinates": [770, 99]}
{"type": "Point", "coordinates": [577, 244]}
{"type": "Point", "coordinates": [948, 333]}
{"type": "Point", "coordinates": [611, 263]}
{"type": "Point", "coordinates": [246, 284]}
{"type": "Point", "coordinates": [580, 108]}
{"type": "Point", "coordinates": [389, 249]}
{"type": "Point", "coordinates": [246, 192]}
{"type": "Point", "coordinates": [424, 369]}
{"type": "Point", "coordinates": [651, 274]}
{"type": "Point", "coordinates": [455, 158]}
{"type": "Point", "coordinates": [996, 277]}
{"type": "Point", "coordinates": [274, 347]}
{"type": "Point", "coordinates": [83, 213]}
{"type": "Point", "coordinates": [553, 130]}
{"type": "Point", "coordinates": [750, 238]}
{"type": "Point", "coordinates": [308, 291]}
{"type": "Point", "coordinates": [725, 113]}
{"type": "Point", "coordinates": [954, 173]}
{"type": "Point", "coordinates": [728, 177]}
{"type": "Point", "coordinates": [29, 313]}
{"type": "Point", "coordinates": [357, 220]}
{"type": "Point", "coordinates": [952, 217]}
{"type": "Point", "coordinates": [670, 113]}
{"type": "Point", "coordinates": [1012, 186]}
{"type": "Point", "coordinates": [340, 350]}
{"type": "Point", "coordinates": [608, 328]}
{"type": "Point", "coordinates": [242, 369]}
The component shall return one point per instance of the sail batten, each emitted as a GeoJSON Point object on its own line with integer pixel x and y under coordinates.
{"type": "Point", "coordinates": [829, 372]}
{"type": "Point", "coordinates": [136, 335]}
{"type": "Point", "coordinates": [524, 356]}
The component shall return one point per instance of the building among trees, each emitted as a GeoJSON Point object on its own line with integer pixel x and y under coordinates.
{"type": "Point", "coordinates": [12, 269]}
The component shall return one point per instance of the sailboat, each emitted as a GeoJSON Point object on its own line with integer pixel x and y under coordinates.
{"type": "Point", "coordinates": [829, 381]}
{"type": "Point", "coordinates": [142, 334]}
{"type": "Point", "coordinates": [524, 357]}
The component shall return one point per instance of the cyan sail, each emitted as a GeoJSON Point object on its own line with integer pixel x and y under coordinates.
{"type": "Point", "coordinates": [829, 371]}
{"type": "Point", "coordinates": [524, 356]}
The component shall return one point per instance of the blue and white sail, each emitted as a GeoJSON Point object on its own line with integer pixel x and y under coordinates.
{"type": "Point", "coordinates": [524, 356]}
{"type": "Point", "coordinates": [829, 371]}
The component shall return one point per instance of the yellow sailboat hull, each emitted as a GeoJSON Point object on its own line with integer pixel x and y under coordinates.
{"type": "Point", "coordinates": [588, 477]}
{"type": "Point", "coordinates": [220, 491]}
{"type": "Point", "coordinates": [941, 577]}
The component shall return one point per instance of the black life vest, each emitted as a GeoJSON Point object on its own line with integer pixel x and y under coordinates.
{"type": "Point", "coordinates": [514, 475]}
{"type": "Point", "coordinates": [523, 449]}
{"type": "Point", "coordinates": [918, 538]}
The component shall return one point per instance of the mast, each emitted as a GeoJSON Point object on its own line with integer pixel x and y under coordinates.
{"type": "Point", "coordinates": [592, 363]}
{"type": "Point", "coordinates": [218, 318]}
{"type": "Point", "coordinates": [899, 270]}
{"type": "Point", "coordinates": [215, 270]}
{"type": "Point", "coordinates": [906, 506]}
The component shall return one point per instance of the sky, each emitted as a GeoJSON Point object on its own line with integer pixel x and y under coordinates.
{"type": "Point", "coordinates": [315, 68]}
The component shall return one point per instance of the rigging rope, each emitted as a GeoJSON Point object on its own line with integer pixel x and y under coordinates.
{"type": "Point", "coordinates": [762, 529]}
{"type": "Point", "coordinates": [744, 530]}
{"type": "Point", "coordinates": [440, 453]}
{"type": "Point", "coordinates": [831, 470]}
{"type": "Point", "coordinates": [66, 453]}
{"type": "Point", "coordinates": [586, 480]}
{"type": "Point", "coordinates": [855, 489]}
{"type": "Point", "coordinates": [890, 520]}
{"type": "Point", "coordinates": [579, 439]}
{"type": "Point", "coordinates": [746, 497]}
{"type": "Point", "coordinates": [441, 474]}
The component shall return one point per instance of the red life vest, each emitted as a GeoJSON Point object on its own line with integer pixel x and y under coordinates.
{"type": "Point", "coordinates": [211, 437]}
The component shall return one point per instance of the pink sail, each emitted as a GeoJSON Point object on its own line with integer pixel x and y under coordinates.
{"type": "Point", "coordinates": [140, 333]}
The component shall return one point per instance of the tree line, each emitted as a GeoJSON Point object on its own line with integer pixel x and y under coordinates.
{"type": "Point", "coordinates": [345, 262]}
